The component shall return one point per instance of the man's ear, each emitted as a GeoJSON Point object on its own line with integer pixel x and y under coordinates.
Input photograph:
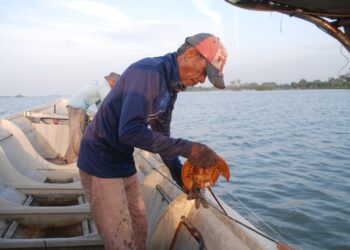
{"type": "Point", "coordinates": [191, 52]}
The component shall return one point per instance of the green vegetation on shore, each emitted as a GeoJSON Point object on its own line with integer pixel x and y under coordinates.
{"type": "Point", "coordinates": [342, 82]}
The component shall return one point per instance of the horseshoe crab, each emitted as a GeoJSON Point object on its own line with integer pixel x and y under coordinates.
{"type": "Point", "coordinates": [203, 177]}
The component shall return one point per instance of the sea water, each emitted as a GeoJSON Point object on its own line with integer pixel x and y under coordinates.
{"type": "Point", "coordinates": [288, 151]}
{"type": "Point", "coordinates": [10, 105]}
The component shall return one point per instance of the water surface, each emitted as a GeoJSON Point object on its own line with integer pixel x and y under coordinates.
{"type": "Point", "coordinates": [10, 105]}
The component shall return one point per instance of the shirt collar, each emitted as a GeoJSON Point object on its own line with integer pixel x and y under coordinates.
{"type": "Point", "coordinates": [173, 80]}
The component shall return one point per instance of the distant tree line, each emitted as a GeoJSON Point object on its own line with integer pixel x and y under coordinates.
{"type": "Point", "coordinates": [343, 82]}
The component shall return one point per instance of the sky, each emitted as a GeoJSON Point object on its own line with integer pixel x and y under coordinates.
{"type": "Point", "coordinates": [55, 47]}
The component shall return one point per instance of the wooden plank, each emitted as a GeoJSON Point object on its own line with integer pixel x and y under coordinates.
{"type": "Point", "coordinates": [14, 224]}
{"type": "Point", "coordinates": [84, 223]}
{"type": "Point", "coordinates": [41, 115]}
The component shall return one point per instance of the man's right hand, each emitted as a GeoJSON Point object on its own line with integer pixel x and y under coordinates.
{"type": "Point", "coordinates": [202, 156]}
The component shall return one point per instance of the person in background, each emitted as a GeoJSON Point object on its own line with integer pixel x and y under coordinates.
{"type": "Point", "coordinates": [137, 113]}
{"type": "Point", "coordinates": [78, 103]}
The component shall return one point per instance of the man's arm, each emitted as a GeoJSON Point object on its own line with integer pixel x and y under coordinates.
{"type": "Point", "coordinates": [174, 165]}
{"type": "Point", "coordinates": [140, 89]}
{"type": "Point", "coordinates": [172, 162]}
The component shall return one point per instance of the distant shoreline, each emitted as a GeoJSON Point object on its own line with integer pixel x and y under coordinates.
{"type": "Point", "coordinates": [198, 89]}
{"type": "Point", "coordinates": [342, 82]}
{"type": "Point", "coordinates": [20, 96]}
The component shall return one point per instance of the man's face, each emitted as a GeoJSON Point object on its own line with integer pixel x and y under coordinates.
{"type": "Point", "coordinates": [191, 67]}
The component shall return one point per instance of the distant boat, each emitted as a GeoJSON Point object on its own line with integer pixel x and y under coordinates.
{"type": "Point", "coordinates": [42, 204]}
{"type": "Point", "coordinates": [19, 96]}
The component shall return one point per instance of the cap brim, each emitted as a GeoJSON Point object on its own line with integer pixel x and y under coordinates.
{"type": "Point", "coordinates": [213, 75]}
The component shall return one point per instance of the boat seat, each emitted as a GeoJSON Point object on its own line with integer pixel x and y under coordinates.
{"type": "Point", "coordinates": [92, 241]}
{"type": "Point", "coordinates": [39, 143]}
{"type": "Point", "coordinates": [4, 134]}
{"type": "Point", "coordinates": [14, 178]}
{"type": "Point", "coordinates": [8, 150]}
{"type": "Point", "coordinates": [31, 163]}
{"type": "Point", "coordinates": [49, 189]}
{"type": "Point", "coordinates": [44, 216]}
{"type": "Point", "coordinates": [48, 140]}
{"type": "Point", "coordinates": [10, 193]}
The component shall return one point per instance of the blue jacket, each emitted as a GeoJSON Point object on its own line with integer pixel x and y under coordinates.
{"type": "Point", "coordinates": [143, 96]}
{"type": "Point", "coordinates": [93, 93]}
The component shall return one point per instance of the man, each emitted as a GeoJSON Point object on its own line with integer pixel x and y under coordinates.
{"type": "Point", "coordinates": [78, 104]}
{"type": "Point", "coordinates": [145, 95]}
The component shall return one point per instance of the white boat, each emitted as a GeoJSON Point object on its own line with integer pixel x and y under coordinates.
{"type": "Point", "coordinates": [42, 204]}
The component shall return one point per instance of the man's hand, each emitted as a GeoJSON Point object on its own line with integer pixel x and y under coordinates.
{"type": "Point", "coordinates": [202, 156]}
{"type": "Point", "coordinates": [197, 194]}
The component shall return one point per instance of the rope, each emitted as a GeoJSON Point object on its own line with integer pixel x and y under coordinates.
{"type": "Point", "coordinates": [346, 58]}
{"type": "Point", "coordinates": [260, 220]}
{"type": "Point", "coordinates": [217, 200]}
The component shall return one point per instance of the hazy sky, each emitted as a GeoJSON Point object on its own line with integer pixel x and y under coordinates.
{"type": "Point", "coordinates": [56, 47]}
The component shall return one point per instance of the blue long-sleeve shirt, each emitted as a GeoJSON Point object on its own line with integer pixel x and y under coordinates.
{"type": "Point", "coordinates": [144, 95]}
